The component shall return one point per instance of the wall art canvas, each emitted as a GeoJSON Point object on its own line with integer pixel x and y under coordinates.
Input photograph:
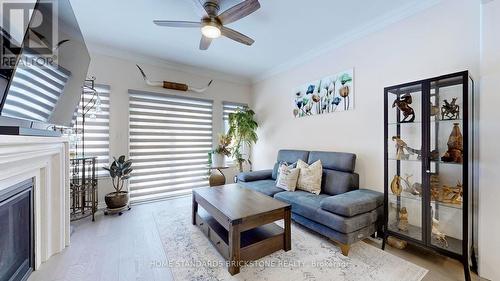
{"type": "Point", "coordinates": [331, 94]}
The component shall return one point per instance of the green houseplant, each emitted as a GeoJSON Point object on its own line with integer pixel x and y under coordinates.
{"type": "Point", "coordinates": [119, 171]}
{"type": "Point", "coordinates": [242, 131]}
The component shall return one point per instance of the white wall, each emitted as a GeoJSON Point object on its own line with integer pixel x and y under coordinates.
{"type": "Point", "coordinates": [443, 39]}
{"type": "Point", "coordinates": [489, 173]}
{"type": "Point", "coordinates": [422, 46]}
{"type": "Point", "coordinates": [121, 74]}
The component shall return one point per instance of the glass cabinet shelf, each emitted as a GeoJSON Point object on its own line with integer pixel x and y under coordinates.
{"type": "Point", "coordinates": [418, 122]}
{"type": "Point", "coordinates": [453, 245]}
{"type": "Point", "coordinates": [432, 161]}
{"type": "Point", "coordinates": [393, 199]}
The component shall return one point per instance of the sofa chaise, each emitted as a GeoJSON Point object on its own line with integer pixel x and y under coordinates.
{"type": "Point", "coordinates": [342, 212]}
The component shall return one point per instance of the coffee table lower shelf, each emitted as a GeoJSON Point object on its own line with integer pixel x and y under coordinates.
{"type": "Point", "coordinates": [254, 243]}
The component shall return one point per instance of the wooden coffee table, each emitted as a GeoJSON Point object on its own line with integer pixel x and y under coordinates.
{"type": "Point", "coordinates": [239, 222]}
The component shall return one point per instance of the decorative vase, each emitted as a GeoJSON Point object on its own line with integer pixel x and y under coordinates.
{"type": "Point", "coordinates": [455, 146]}
{"type": "Point", "coordinates": [456, 140]}
{"type": "Point", "coordinates": [218, 160]}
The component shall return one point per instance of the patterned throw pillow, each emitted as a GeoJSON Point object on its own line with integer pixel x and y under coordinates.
{"type": "Point", "coordinates": [310, 176]}
{"type": "Point", "coordinates": [287, 177]}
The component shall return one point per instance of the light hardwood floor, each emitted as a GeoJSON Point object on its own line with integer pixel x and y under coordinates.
{"type": "Point", "coordinates": [123, 248]}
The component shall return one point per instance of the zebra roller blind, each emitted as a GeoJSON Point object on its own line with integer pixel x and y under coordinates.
{"type": "Point", "coordinates": [96, 128]}
{"type": "Point", "coordinates": [170, 137]}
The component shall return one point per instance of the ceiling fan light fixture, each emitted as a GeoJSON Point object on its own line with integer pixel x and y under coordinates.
{"type": "Point", "coordinates": [211, 31]}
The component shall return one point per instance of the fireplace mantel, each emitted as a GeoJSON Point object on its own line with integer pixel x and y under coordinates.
{"type": "Point", "coordinates": [47, 161]}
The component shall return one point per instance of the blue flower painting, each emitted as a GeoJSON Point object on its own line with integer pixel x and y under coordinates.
{"type": "Point", "coordinates": [330, 94]}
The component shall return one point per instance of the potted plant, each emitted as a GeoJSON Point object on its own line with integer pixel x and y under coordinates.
{"type": "Point", "coordinates": [119, 171]}
{"type": "Point", "coordinates": [242, 130]}
{"type": "Point", "coordinates": [217, 155]}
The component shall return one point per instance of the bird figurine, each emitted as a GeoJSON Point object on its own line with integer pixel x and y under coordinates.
{"type": "Point", "coordinates": [400, 146]}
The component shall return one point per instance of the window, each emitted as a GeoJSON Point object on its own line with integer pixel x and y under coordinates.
{"type": "Point", "coordinates": [170, 137]}
{"type": "Point", "coordinates": [34, 91]}
{"type": "Point", "coordinates": [96, 128]}
{"type": "Point", "coordinates": [228, 108]}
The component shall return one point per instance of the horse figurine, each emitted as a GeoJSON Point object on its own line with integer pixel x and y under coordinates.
{"type": "Point", "coordinates": [450, 110]}
{"type": "Point", "coordinates": [403, 105]}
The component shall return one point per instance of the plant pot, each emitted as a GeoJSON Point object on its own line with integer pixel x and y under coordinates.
{"type": "Point", "coordinates": [115, 200]}
{"type": "Point", "coordinates": [218, 160]}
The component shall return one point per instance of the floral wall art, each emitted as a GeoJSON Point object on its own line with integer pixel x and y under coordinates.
{"type": "Point", "coordinates": [330, 94]}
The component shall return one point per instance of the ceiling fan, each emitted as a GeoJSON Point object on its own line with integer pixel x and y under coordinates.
{"type": "Point", "coordinates": [212, 23]}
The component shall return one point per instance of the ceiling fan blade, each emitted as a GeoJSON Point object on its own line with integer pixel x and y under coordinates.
{"type": "Point", "coordinates": [200, 9]}
{"type": "Point", "coordinates": [174, 23]}
{"type": "Point", "coordinates": [239, 11]}
{"type": "Point", "coordinates": [205, 42]}
{"type": "Point", "coordinates": [236, 36]}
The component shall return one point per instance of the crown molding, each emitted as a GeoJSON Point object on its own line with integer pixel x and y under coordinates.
{"type": "Point", "coordinates": [100, 49]}
{"type": "Point", "coordinates": [373, 26]}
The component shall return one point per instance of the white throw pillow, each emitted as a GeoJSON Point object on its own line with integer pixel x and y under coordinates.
{"type": "Point", "coordinates": [310, 176]}
{"type": "Point", "coordinates": [287, 177]}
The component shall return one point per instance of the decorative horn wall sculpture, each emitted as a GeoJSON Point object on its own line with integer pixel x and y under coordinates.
{"type": "Point", "coordinates": [172, 85]}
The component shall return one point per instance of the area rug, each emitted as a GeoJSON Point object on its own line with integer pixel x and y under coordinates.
{"type": "Point", "coordinates": [190, 256]}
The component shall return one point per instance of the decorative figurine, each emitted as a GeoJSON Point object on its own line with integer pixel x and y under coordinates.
{"type": "Point", "coordinates": [403, 219]}
{"type": "Point", "coordinates": [455, 146]}
{"type": "Point", "coordinates": [435, 194]}
{"type": "Point", "coordinates": [400, 146]}
{"type": "Point", "coordinates": [409, 187]}
{"type": "Point", "coordinates": [417, 187]}
{"type": "Point", "coordinates": [436, 233]}
{"type": "Point", "coordinates": [452, 195]}
{"type": "Point", "coordinates": [396, 185]}
{"type": "Point", "coordinates": [403, 105]}
{"type": "Point", "coordinates": [450, 110]}
{"type": "Point", "coordinates": [397, 243]}
{"type": "Point", "coordinates": [434, 110]}
{"type": "Point", "coordinates": [434, 153]}
{"type": "Point", "coordinates": [435, 186]}
{"type": "Point", "coordinates": [435, 182]}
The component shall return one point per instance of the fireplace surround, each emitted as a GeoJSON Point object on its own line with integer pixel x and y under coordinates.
{"type": "Point", "coordinates": [45, 162]}
{"type": "Point", "coordinates": [17, 257]}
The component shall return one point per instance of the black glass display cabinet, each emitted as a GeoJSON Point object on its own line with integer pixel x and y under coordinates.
{"type": "Point", "coordinates": [429, 164]}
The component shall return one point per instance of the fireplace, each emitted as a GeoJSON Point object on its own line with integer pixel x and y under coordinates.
{"type": "Point", "coordinates": [17, 258]}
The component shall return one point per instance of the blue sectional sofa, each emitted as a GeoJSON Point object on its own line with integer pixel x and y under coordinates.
{"type": "Point", "coordinates": [341, 212]}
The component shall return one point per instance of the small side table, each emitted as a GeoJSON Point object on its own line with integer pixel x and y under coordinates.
{"type": "Point", "coordinates": [217, 177]}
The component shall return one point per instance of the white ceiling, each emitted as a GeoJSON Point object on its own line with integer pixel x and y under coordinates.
{"type": "Point", "coordinates": [284, 30]}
